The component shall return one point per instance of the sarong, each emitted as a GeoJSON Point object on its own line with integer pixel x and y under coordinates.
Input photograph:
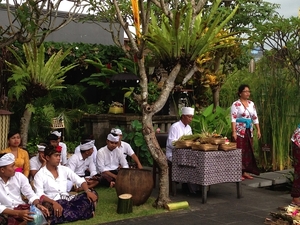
{"type": "Point", "coordinates": [248, 160]}
{"type": "Point", "coordinates": [77, 208]}
{"type": "Point", "coordinates": [295, 193]}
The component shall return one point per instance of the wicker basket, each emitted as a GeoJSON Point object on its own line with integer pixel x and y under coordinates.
{"type": "Point", "coordinates": [227, 147]}
{"type": "Point", "coordinates": [184, 144]}
{"type": "Point", "coordinates": [204, 147]}
{"type": "Point", "coordinates": [204, 140]}
{"type": "Point", "coordinates": [217, 141]}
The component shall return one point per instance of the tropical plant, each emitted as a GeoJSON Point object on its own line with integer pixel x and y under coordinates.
{"type": "Point", "coordinates": [177, 54]}
{"type": "Point", "coordinates": [99, 79]}
{"type": "Point", "coordinates": [213, 121]}
{"type": "Point", "coordinates": [137, 141]}
{"type": "Point", "coordinates": [34, 78]}
{"type": "Point", "coordinates": [276, 96]}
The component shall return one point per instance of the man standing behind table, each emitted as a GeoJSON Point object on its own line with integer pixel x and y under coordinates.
{"type": "Point", "coordinates": [83, 165]}
{"type": "Point", "coordinates": [177, 130]}
{"type": "Point", "coordinates": [109, 159]}
{"type": "Point", "coordinates": [125, 148]}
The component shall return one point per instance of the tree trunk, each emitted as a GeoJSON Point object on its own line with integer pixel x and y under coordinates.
{"type": "Point", "coordinates": [216, 96]}
{"type": "Point", "coordinates": [161, 159]}
{"type": "Point", "coordinates": [24, 126]}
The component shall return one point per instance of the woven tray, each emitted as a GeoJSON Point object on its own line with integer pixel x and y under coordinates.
{"type": "Point", "coordinates": [184, 144]}
{"type": "Point", "coordinates": [204, 140]}
{"type": "Point", "coordinates": [204, 147]}
{"type": "Point", "coordinates": [217, 141]}
{"type": "Point", "coordinates": [227, 147]}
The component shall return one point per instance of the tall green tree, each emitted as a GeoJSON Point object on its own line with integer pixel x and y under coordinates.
{"type": "Point", "coordinates": [34, 78]}
{"type": "Point", "coordinates": [185, 33]}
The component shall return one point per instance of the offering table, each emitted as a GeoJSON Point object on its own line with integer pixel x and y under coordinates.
{"type": "Point", "coordinates": [206, 168]}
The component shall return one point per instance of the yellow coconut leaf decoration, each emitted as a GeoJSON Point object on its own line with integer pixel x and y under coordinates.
{"type": "Point", "coordinates": [136, 17]}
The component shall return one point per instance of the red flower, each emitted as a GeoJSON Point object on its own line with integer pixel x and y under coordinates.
{"type": "Point", "coordinates": [58, 148]}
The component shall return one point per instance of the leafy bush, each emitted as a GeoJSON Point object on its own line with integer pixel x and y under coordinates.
{"type": "Point", "coordinates": [137, 141]}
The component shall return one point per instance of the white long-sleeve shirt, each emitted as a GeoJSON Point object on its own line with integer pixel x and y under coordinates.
{"type": "Point", "coordinates": [46, 184]}
{"type": "Point", "coordinates": [110, 160]}
{"type": "Point", "coordinates": [177, 130]}
{"type": "Point", "coordinates": [10, 192]}
{"type": "Point", "coordinates": [64, 153]}
{"type": "Point", "coordinates": [94, 155]}
{"type": "Point", "coordinates": [80, 165]}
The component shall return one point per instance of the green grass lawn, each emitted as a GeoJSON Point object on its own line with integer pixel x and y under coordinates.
{"type": "Point", "coordinates": [106, 210]}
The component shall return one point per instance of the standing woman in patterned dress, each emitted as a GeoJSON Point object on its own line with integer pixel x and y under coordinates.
{"type": "Point", "coordinates": [21, 155]}
{"type": "Point", "coordinates": [243, 116]}
{"type": "Point", "coordinates": [295, 193]}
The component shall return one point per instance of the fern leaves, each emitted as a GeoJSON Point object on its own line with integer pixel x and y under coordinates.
{"type": "Point", "coordinates": [35, 73]}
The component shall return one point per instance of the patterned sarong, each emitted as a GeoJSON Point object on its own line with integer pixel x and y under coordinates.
{"type": "Point", "coordinates": [295, 193]}
{"type": "Point", "coordinates": [248, 160]}
{"type": "Point", "coordinates": [77, 208]}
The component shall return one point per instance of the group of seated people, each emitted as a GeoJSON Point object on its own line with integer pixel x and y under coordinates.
{"type": "Point", "coordinates": [53, 176]}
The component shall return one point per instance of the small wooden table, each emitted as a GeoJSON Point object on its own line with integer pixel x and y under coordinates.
{"type": "Point", "coordinates": [206, 168]}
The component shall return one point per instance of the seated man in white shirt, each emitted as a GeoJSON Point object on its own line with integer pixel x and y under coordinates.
{"type": "Point", "coordinates": [109, 159]}
{"type": "Point", "coordinates": [38, 161]}
{"type": "Point", "coordinates": [125, 148]}
{"type": "Point", "coordinates": [83, 165]}
{"type": "Point", "coordinates": [64, 151]}
{"type": "Point", "coordinates": [12, 186]}
{"type": "Point", "coordinates": [87, 138]}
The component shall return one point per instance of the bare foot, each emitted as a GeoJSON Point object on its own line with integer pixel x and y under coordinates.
{"type": "Point", "coordinates": [112, 184]}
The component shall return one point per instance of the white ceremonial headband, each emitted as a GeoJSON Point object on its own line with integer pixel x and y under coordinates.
{"type": "Point", "coordinates": [7, 159]}
{"type": "Point", "coordinates": [87, 146]}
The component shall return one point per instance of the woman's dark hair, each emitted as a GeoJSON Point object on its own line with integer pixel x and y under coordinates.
{"type": "Point", "coordinates": [2, 154]}
{"type": "Point", "coordinates": [241, 88]}
{"type": "Point", "coordinates": [12, 133]}
{"type": "Point", "coordinates": [50, 150]}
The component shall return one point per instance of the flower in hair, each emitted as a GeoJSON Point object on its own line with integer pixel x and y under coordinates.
{"type": "Point", "coordinates": [58, 148]}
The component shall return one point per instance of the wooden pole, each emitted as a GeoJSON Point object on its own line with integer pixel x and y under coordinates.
{"type": "Point", "coordinates": [124, 204]}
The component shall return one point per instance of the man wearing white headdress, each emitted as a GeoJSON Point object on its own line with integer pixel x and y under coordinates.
{"type": "Point", "coordinates": [109, 159]}
{"type": "Point", "coordinates": [87, 138]}
{"type": "Point", "coordinates": [12, 186]}
{"type": "Point", "coordinates": [177, 130]}
{"type": "Point", "coordinates": [38, 161]}
{"type": "Point", "coordinates": [83, 165]}
{"type": "Point", "coordinates": [64, 152]}
{"type": "Point", "coordinates": [125, 148]}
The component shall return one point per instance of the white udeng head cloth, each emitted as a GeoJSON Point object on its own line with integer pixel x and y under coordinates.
{"type": "Point", "coordinates": [87, 146]}
{"type": "Point", "coordinates": [7, 159]}
{"type": "Point", "coordinates": [187, 111]}
{"type": "Point", "coordinates": [58, 134]}
{"type": "Point", "coordinates": [116, 131]}
{"type": "Point", "coordinates": [113, 138]}
{"type": "Point", "coordinates": [41, 148]}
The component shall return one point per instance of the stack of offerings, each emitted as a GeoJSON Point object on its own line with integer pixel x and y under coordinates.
{"type": "Point", "coordinates": [204, 142]}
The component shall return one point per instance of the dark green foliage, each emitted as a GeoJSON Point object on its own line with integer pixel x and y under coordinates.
{"type": "Point", "coordinates": [209, 121]}
{"type": "Point", "coordinates": [137, 141]}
